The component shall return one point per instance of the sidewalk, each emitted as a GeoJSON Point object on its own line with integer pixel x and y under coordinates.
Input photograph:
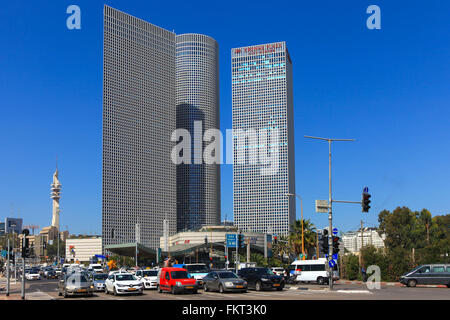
{"type": "Point", "coordinates": [392, 284]}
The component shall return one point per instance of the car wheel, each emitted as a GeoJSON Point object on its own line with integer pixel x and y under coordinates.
{"type": "Point", "coordinates": [221, 288]}
{"type": "Point", "coordinates": [205, 288]}
{"type": "Point", "coordinates": [279, 288]}
{"type": "Point", "coordinates": [106, 290]}
{"type": "Point", "coordinates": [65, 294]}
{"type": "Point", "coordinates": [320, 280]}
{"type": "Point", "coordinates": [195, 291]}
{"type": "Point", "coordinates": [59, 293]}
{"type": "Point", "coordinates": [412, 283]}
{"type": "Point", "coordinates": [448, 285]}
{"type": "Point", "coordinates": [258, 286]}
{"type": "Point", "coordinates": [172, 290]}
{"type": "Point", "coordinates": [158, 288]}
{"type": "Point", "coordinates": [114, 291]}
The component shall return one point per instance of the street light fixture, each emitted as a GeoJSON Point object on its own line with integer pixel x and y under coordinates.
{"type": "Point", "coordinates": [301, 206]}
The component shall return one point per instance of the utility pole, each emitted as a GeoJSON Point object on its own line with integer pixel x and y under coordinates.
{"type": "Point", "coordinates": [317, 245]}
{"type": "Point", "coordinates": [330, 206]}
{"type": "Point", "coordinates": [7, 270]}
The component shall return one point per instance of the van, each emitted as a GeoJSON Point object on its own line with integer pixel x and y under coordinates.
{"type": "Point", "coordinates": [313, 271]}
{"type": "Point", "coordinates": [175, 280]}
{"type": "Point", "coordinates": [438, 274]}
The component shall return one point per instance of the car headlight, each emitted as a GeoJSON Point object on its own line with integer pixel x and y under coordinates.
{"type": "Point", "coordinates": [71, 288]}
{"type": "Point", "coordinates": [92, 287]}
{"type": "Point", "coordinates": [228, 284]}
{"type": "Point", "coordinates": [120, 285]}
{"type": "Point", "coordinates": [178, 283]}
{"type": "Point", "coordinates": [245, 283]}
{"type": "Point", "coordinates": [264, 279]}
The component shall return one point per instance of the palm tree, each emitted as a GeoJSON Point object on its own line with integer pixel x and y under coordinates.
{"type": "Point", "coordinates": [309, 236]}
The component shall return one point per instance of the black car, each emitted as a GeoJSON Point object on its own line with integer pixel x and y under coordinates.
{"type": "Point", "coordinates": [261, 278]}
{"type": "Point", "coordinates": [427, 274]}
{"type": "Point", "coordinates": [52, 275]}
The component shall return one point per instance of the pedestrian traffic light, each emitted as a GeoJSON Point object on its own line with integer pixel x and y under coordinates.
{"type": "Point", "coordinates": [275, 239]}
{"type": "Point", "coordinates": [325, 245]}
{"type": "Point", "coordinates": [241, 243]}
{"type": "Point", "coordinates": [336, 245]}
{"type": "Point", "coordinates": [365, 202]}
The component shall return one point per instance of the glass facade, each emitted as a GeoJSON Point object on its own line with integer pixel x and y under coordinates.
{"type": "Point", "coordinates": [197, 99]}
{"type": "Point", "coordinates": [263, 101]}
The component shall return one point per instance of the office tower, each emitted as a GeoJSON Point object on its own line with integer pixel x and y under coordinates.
{"type": "Point", "coordinates": [139, 177]}
{"type": "Point", "coordinates": [263, 102]}
{"type": "Point", "coordinates": [197, 99]}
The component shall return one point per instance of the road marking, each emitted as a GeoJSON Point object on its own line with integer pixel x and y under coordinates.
{"type": "Point", "coordinates": [353, 291]}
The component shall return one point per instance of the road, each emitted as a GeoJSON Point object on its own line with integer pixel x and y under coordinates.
{"type": "Point", "coordinates": [47, 290]}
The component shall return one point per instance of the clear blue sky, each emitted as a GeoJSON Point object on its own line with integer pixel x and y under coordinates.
{"type": "Point", "coordinates": [389, 89]}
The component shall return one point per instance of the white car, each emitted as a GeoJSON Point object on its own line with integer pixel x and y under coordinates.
{"type": "Point", "coordinates": [148, 278]}
{"type": "Point", "coordinates": [33, 275]}
{"type": "Point", "coordinates": [123, 283]}
{"type": "Point", "coordinates": [278, 271]}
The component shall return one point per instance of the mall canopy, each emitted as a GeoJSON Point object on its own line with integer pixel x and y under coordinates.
{"type": "Point", "coordinates": [178, 250]}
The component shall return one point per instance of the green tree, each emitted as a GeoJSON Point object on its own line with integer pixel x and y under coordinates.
{"type": "Point", "coordinates": [309, 235]}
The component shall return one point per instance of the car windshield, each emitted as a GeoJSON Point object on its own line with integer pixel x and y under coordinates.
{"type": "Point", "coordinates": [102, 276]}
{"type": "Point", "coordinates": [76, 278]}
{"type": "Point", "coordinates": [150, 273]}
{"type": "Point", "coordinates": [179, 275]}
{"type": "Point", "coordinates": [197, 268]}
{"type": "Point", "coordinates": [264, 271]}
{"type": "Point", "coordinates": [227, 275]}
{"type": "Point", "coordinates": [125, 277]}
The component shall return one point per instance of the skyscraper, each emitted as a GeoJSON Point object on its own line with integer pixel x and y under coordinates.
{"type": "Point", "coordinates": [263, 102]}
{"type": "Point", "coordinates": [197, 99]}
{"type": "Point", "coordinates": [139, 177]}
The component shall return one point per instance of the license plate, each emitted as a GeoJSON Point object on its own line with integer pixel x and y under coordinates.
{"type": "Point", "coordinates": [131, 289]}
{"type": "Point", "coordinates": [81, 290]}
{"type": "Point", "coordinates": [239, 286]}
{"type": "Point", "coordinates": [189, 287]}
{"type": "Point", "coordinates": [276, 284]}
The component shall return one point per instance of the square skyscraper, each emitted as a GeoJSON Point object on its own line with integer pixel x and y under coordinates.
{"type": "Point", "coordinates": [263, 129]}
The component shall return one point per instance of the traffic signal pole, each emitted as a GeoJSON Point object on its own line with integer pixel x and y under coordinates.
{"type": "Point", "coordinates": [7, 270]}
{"type": "Point", "coordinates": [330, 205]}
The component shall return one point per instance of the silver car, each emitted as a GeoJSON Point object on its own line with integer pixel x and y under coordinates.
{"type": "Point", "coordinates": [75, 284]}
{"type": "Point", "coordinates": [99, 281]}
{"type": "Point", "coordinates": [224, 281]}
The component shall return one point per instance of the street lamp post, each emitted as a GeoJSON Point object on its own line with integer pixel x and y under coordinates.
{"type": "Point", "coordinates": [330, 203]}
{"type": "Point", "coordinates": [301, 209]}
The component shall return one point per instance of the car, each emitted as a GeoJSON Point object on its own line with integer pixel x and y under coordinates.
{"type": "Point", "coordinates": [224, 281]}
{"type": "Point", "coordinates": [148, 278]}
{"type": "Point", "coordinates": [96, 267]}
{"type": "Point", "coordinates": [99, 281]}
{"type": "Point", "coordinates": [437, 274]}
{"type": "Point", "coordinates": [176, 280]}
{"type": "Point", "coordinates": [32, 274]}
{"type": "Point", "coordinates": [261, 278]}
{"type": "Point", "coordinates": [52, 275]}
{"type": "Point", "coordinates": [278, 271]}
{"type": "Point", "coordinates": [123, 283]}
{"type": "Point", "coordinates": [75, 284]}
{"type": "Point", "coordinates": [196, 270]}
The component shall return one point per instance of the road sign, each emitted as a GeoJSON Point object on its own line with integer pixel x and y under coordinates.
{"type": "Point", "coordinates": [366, 189]}
{"type": "Point", "coordinates": [331, 263]}
{"type": "Point", "coordinates": [335, 231]}
{"type": "Point", "coordinates": [231, 240]}
{"type": "Point", "coordinates": [335, 256]}
{"type": "Point", "coordinates": [322, 206]}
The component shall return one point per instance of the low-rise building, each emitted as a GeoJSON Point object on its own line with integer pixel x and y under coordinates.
{"type": "Point", "coordinates": [82, 250]}
{"type": "Point", "coordinates": [353, 240]}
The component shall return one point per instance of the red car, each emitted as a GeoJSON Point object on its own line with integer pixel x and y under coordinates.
{"type": "Point", "coordinates": [176, 280]}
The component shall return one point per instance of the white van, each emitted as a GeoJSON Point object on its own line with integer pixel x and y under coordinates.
{"type": "Point", "coordinates": [313, 270]}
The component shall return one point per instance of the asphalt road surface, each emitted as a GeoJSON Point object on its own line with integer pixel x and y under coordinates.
{"type": "Point", "coordinates": [47, 290]}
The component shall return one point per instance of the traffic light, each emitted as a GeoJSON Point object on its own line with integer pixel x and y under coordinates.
{"type": "Point", "coordinates": [241, 243]}
{"type": "Point", "coordinates": [25, 244]}
{"type": "Point", "coordinates": [365, 202]}
{"type": "Point", "coordinates": [206, 240]}
{"type": "Point", "coordinates": [275, 239]}
{"type": "Point", "coordinates": [336, 245]}
{"type": "Point", "coordinates": [325, 246]}
{"type": "Point", "coordinates": [44, 245]}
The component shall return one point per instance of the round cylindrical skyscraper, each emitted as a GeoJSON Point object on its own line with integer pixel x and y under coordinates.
{"type": "Point", "coordinates": [197, 98]}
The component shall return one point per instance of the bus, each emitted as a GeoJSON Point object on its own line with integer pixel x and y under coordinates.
{"type": "Point", "coordinates": [313, 271]}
